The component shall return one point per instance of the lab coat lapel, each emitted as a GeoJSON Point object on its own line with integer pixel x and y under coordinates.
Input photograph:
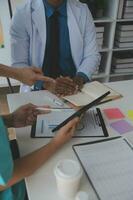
{"type": "Point", "coordinates": [76, 40]}
{"type": "Point", "coordinates": [39, 20]}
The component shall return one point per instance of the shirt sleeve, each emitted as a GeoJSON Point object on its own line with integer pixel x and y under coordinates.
{"type": "Point", "coordinates": [91, 57]}
{"type": "Point", "coordinates": [6, 161]}
{"type": "Point", "coordinates": [84, 76]}
{"type": "Point", "coordinates": [19, 39]}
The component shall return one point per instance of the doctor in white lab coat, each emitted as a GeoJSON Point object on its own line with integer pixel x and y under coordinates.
{"type": "Point", "coordinates": [28, 36]}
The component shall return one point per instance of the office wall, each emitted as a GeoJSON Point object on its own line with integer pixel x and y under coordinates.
{"type": "Point", "coordinates": [5, 57]}
{"type": "Point", "coordinates": [5, 18]}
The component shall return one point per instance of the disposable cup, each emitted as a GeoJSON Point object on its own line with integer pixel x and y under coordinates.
{"type": "Point", "coordinates": [68, 174]}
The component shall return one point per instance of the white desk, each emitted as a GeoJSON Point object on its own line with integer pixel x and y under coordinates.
{"type": "Point", "coordinates": [42, 184]}
{"type": "Point", "coordinates": [4, 83]}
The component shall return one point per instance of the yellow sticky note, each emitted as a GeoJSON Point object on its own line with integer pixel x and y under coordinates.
{"type": "Point", "coordinates": [130, 114]}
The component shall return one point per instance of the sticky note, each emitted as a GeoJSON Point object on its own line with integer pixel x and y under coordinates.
{"type": "Point", "coordinates": [122, 126]}
{"type": "Point", "coordinates": [130, 114]}
{"type": "Point", "coordinates": [113, 113]}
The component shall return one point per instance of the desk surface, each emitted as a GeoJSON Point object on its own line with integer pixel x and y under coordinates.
{"type": "Point", "coordinates": [41, 185]}
{"type": "Point", "coordinates": [4, 83]}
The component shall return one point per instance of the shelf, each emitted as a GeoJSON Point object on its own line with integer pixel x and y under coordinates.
{"type": "Point", "coordinates": [104, 50]}
{"type": "Point", "coordinates": [104, 20]}
{"type": "Point", "coordinates": [100, 75]}
{"type": "Point", "coordinates": [123, 49]}
{"type": "Point", "coordinates": [124, 74]}
{"type": "Point", "coordinates": [124, 20]}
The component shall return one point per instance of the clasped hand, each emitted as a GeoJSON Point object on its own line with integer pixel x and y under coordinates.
{"type": "Point", "coordinates": [63, 86]}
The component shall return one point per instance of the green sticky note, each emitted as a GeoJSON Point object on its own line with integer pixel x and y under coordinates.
{"type": "Point", "coordinates": [130, 114]}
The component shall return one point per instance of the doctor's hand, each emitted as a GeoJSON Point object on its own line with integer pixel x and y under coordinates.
{"type": "Point", "coordinates": [29, 75]}
{"type": "Point", "coordinates": [65, 133]}
{"type": "Point", "coordinates": [65, 86]}
{"type": "Point", "coordinates": [79, 82]}
{"type": "Point", "coordinates": [23, 116]}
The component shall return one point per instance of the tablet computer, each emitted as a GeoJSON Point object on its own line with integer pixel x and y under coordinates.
{"type": "Point", "coordinates": [81, 111]}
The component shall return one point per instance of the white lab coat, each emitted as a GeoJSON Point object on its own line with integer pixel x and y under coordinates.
{"type": "Point", "coordinates": [28, 36]}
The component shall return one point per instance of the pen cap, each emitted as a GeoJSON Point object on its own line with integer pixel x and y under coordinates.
{"type": "Point", "coordinates": [81, 195]}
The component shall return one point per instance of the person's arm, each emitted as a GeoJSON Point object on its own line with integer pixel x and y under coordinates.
{"type": "Point", "coordinates": [27, 75]}
{"type": "Point", "coordinates": [8, 120]}
{"type": "Point", "coordinates": [23, 116]}
{"type": "Point", "coordinates": [91, 56]}
{"type": "Point", "coordinates": [27, 165]}
{"type": "Point", "coordinates": [7, 71]}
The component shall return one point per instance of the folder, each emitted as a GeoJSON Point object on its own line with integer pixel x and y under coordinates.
{"type": "Point", "coordinates": [108, 165]}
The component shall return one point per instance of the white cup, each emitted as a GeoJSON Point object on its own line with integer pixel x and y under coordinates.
{"type": "Point", "coordinates": [68, 174]}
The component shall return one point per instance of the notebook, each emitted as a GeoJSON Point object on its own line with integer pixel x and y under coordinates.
{"type": "Point", "coordinates": [90, 92]}
{"type": "Point", "coordinates": [108, 165]}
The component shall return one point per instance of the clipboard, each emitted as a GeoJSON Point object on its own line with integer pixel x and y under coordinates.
{"type": "Point", "coordinates": [81, 111]}
{"type": "Point", "coordinates": [108, 167]}
{"type": "Point", "coordinates": [91, 125]}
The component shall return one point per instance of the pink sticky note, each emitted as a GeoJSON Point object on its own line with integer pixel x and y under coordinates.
{"type": "Point", "coordinates": [122, 126]}
{"type": "Point", "coordinates": [113, 113]}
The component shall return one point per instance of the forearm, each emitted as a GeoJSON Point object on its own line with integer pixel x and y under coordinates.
{"type": "Point", "coordinates": [8, 71]}
{"type": "Point", "coordinates": [90, 65]}
{"type": "Point", "coordinates": [8, 120]}
{"type": "Point", "coordinates": [27, 165]}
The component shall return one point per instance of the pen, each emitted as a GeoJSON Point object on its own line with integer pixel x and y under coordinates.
{"type": "Point", "coordinates": [53, 109]}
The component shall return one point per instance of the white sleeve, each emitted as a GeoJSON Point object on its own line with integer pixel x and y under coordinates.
{"type": "Point", "coordinates": [91, 57]}
{"type": "Point", "coordinates": [19, 39]}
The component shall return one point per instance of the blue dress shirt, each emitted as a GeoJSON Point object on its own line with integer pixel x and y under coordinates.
{"type": "Point", "coordinates": [66, 63]}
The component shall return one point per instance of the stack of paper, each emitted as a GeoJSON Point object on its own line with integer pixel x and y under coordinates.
{"type": "Point", "coordinates": [100, 34]}
{"type": "Point", "coordinates": [120, 9]}
{"type": "Point", "coordinates": [128, 9]}
{"type": "Point", "coordinates": [122, 63]}
{"type": "Point", "coordinates": [124, 35]}
{"type": "Point", "coordinates": [125, 9]}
